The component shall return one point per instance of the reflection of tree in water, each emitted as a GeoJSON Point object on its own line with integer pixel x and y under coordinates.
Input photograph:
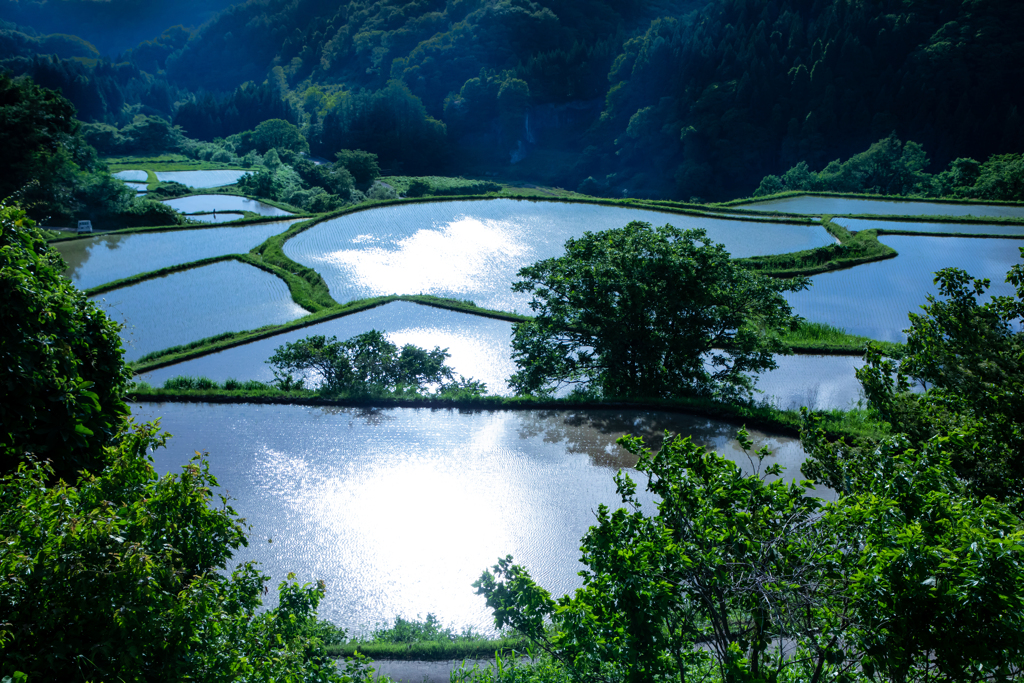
{"type": "Point", "coordinates": [595, 432]}
{"type": "Point", "coordinates": [372, 417]}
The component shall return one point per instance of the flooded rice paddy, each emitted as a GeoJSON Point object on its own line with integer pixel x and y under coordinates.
{"type": "Point", "coordinates": [136, 176]}
{"type": "Point", "coordinates": [97, 260]}
{"type": "Point", "coordinates": [400, 510]}
{"type": "Point", "coordinates": [473, 249]}
{"type": "Point", "coordinates": [1006, 229]}
{"type": "Point", "coordinates": [201, 179]}
{"type": "Point", "coordinates": [222, 217]}
{"type": "Point", "coordinates": [480, 348]}
{"type": "Point", "coordinates": [201, 302]}
{"type": "Point", "coordinates": [817, 206]}
{"type": "Point", "coordinates": [873, 299]}
{"type": "Point", "coordinates": [223, 202]}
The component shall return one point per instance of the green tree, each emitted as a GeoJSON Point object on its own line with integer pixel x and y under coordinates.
{"type": "Point", "coordinates": [278, 134]}
{"type": "Point", "coordinates": [644, 311]}
{"type": "Point", "coordinates": [362, 165]}
{"type": "Point", "coordinates": [366, 364]}
{"type": "Point", "coordinates": [60, 360]}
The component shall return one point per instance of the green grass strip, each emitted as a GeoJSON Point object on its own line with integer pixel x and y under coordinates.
{"type": "Point", "coordinates": [882, 197]}
{"type": "Point", "coordinates": [238, 223]}
{"type": "Point", "coordinates": [430, 651]}
{"type": "Point", "coordinates": [853, 249]}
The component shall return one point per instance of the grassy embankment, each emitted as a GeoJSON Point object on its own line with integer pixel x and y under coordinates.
{"type": "Point", "coordinates": [853, 249]}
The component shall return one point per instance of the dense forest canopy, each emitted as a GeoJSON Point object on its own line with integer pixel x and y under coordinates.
{"type": "Point", "coordinates": [673, 99]}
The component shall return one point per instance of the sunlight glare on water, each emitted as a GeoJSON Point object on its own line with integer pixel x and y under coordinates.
{"type": "Point", "coordinates": [400, 510]}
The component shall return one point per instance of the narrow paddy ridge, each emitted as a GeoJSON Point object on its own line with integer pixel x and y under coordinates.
{"type": "Point", "coordinates": [856, 224]}
{"type": "Point", "coordinates": [400, 510]}
{"type": "Point", "coordinates": [104, 258]}
{"type": "Point", "coordinates": [197, 303]}
{"type": "Point", "coordinates": [473, 249]}
{"type": "Point", "coordinates": [839, 205]}
{"type": "Point", "coordinates": [873, 300]}
{"type": "Point", "coordinates": [223, 202]}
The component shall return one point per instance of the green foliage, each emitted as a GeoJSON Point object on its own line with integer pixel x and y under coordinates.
{"type": "Point", "coordinates": [60, 357]}
{"type": "Point", "coordinates": [637, 311]}
{"type": "Point", "coordinates": [853, 249]}
{"type": "Point", "coordinates": [362, 165]}
{"type": "Point", "coordinates": [274, 134]}
{"type": "Point", "coordinates": [728, 559]}
{"type": "Point", "coordinates": [888, 167]}
{"type": "Point", "coordinates": [969, 356]}
{"type": "Point", "coordinates": [122, 577]}
{"type": "Point", "coordinates": [367, 364]}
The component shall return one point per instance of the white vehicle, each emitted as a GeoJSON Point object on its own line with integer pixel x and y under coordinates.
{"type": "Point", "coordinates": [84, 226]}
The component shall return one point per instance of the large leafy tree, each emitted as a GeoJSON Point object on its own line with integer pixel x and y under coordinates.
{"type": "Point", "coordinates": [60, 359]}
{"type": "Point", "coordinates": [648, 311]}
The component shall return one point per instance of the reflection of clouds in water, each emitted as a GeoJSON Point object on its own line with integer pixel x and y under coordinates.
{"type": "Point", "coordinates": [451, 259]}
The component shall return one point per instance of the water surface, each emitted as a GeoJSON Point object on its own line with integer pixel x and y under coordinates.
{"type": "Point", "coordinates": [140, 188]}
{"type": "Point", "coordinates": [132, 175]}
{"type": "Point", "coordinates": [400, 510]}
{"type": "Point", "coordinates": [223, 202]}
{"type": "Point", "coordinates": [873, 299]}
{"type": "Point", "coordinates": [96, 260]}
{"type": "Point", "coordinates": [882, 207]}
{"type": "Point", "coordinates": [201, 179]}
{"type": "Point", "coordinates": [857, 224]}
{"type": "Point", "coordinates": [815, 382]}
{"type": "Point", "coordinates": [473, 249]}
{"type": "Point", "coordinates": [192, 304]}
{"type": "Point", "coordinates": [479, 347]}
{"type": "Point", "coordinates": [222, 217]}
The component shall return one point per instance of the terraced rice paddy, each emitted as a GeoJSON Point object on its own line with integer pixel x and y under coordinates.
{"type": "Point", "coordinates": [94, 261]}
{"type": "Point", "coordinates": [136, 176]}
{"type": "Point", "coordinates": [479, 346]}
{"type": "Point", "coordinates": [873, 299]}
{"type": "Point", "coordinates": [400, 510]}
{"type": "Point", "coordinates": [473, 249]}
{"type": "Point", "coordinates": [201, 179]}
{"type": "Point", "coordinates": [818, 206]}
{"type": "Point", "coordinates": [197, 303]}
{"type": "Point", "coordinates": [223, 202]}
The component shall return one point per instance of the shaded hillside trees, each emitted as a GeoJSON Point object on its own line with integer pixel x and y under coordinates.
{"type": "Point", "coordinates": [891, 167]}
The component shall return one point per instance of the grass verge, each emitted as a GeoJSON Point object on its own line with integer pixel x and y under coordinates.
{"type": "Point", "coordinates": [823, 338]}
{"type": "Point", "coordinates": [165, 162]}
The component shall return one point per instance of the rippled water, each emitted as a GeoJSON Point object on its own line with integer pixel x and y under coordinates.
{"type": "Point", "coordinates": [873, 299]}
{"type": "Point", "coordinates": [479, 347]}
{"type": "Point", "coordinates": [223, 202]}
{"type": "Point", "coordinates": [839, 205]}
{"type": "Point", "coordinates": [132, 175]}
{"type": "Point", "coordinates": [473, 249]}
{"type": "Point", "coordinates": [201, 179]}
{"type": "Point", "coordinates": [857, 224]}
{"type": "Point", "coordinates": [400, 510]}
{"type": "Point", "coordinates": [96, 260]}
{"type": "Point", "coordinates": [197, 303]}
{"type": "Point", "coordinates": [815, 382]}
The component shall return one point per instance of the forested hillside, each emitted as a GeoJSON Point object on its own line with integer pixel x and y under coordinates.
{"type": "Point", "coordinates": [668, 99]}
